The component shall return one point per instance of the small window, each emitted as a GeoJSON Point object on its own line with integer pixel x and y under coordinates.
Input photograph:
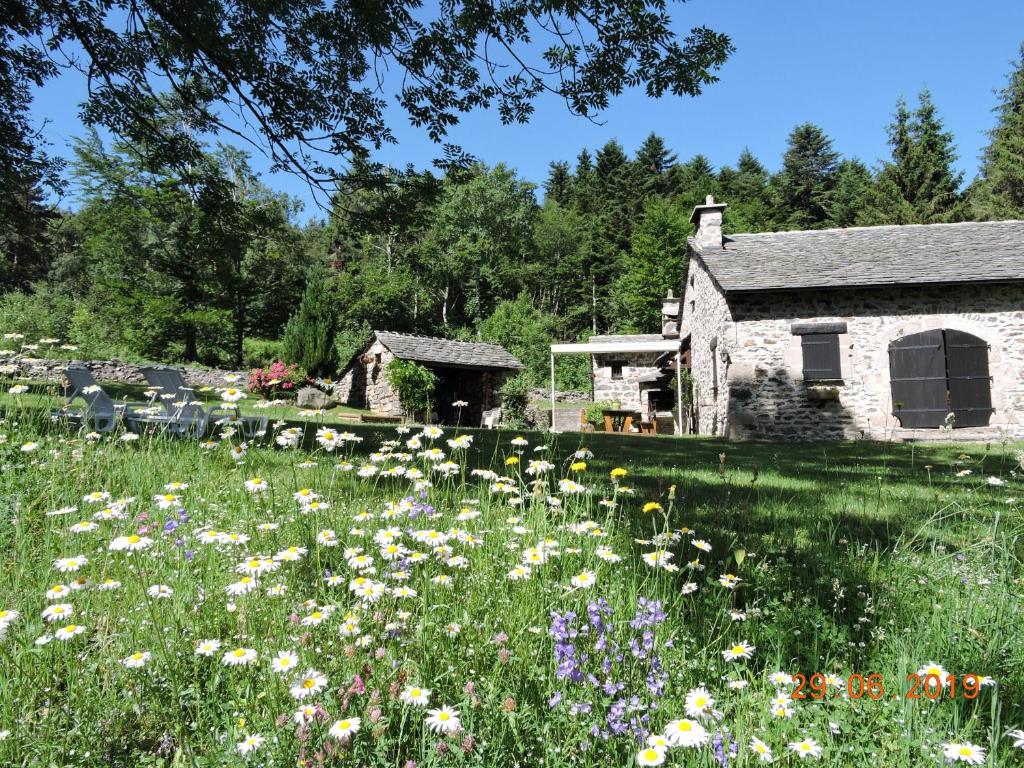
{"type": "Point", "coordinates": [616, 366]}
{"type": "Point", "coordinates": [821, 357]}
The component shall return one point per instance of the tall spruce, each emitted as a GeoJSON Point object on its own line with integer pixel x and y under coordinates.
{"type": "Point", "coordinates": [804, 186]}
{"type": "Point", "coordinates": [919, 185]}
{"type": "Point", "coordinates": [611, 230]}
{"type": "Point", "coordinates": [851, 193]}
{"type": "Point", "coordinates": [698, 180]}
{"type": "Point", "coordinates": [584, 191]}
{"type": "Point", "coordinates": [654, 165]}
{"type": "Point", "coordinates": [999, 190]}
{"type": "Point", "coordinates": [309, 335]}
{"type": "Point", "coordinates": [745, 189]}
{"type": "Point", "coordinates": [558, 187]}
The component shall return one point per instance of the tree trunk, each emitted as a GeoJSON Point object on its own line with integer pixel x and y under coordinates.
{"type": "Point", "coordinates": [239, 329]}
{"type": "Point", "coordinates": [191, 344]}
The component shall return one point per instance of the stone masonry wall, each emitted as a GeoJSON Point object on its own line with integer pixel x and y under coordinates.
{"type": "Point", "coordinates": [114, 370]}
{"type": "Point", "coordinates": [764, 395]}
{"type": "Point", "coordinates": [627, 389]}
{"type": "Point", "coordinates": [706, 315]}
{"type": "Point", "coordinates": [771, 355]}
{"type": "Point", "coordinates": [364, 383]}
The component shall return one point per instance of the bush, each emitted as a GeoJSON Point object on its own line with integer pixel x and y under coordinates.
{"type": "Point", "coordinates": [259, 353]}
{"type": "Point", "coordinates": [39, 315]}
{"type": "Point", "coordinates": [515, 397]}
{"type": "Point", "coordinates": [595, 413]}
{"type": "Point", "coordinates": [278, 379]}
{"type": "Point", "coordinates": [414, 383]}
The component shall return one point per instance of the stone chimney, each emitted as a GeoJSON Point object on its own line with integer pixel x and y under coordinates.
{"type": "Point", "coordinates": [708, 220]}
{"type": "Point", "coordinates": [670, 316]}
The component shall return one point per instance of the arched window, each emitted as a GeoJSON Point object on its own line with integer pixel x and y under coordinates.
{"type": "Point", "coordinates": [935, 373]}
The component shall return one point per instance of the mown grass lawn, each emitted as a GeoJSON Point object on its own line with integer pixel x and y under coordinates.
{"type": "Point", "coordinates": [558, 623]}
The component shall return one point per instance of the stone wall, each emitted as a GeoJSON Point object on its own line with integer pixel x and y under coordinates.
{"type": "Point", "coordinates": [113, 370]}
{"type": "Point", "coordinates": [706, 315]}
{"type": "Point", "coordinates": [363, 384]}
{"type": "Point", "coordinates": [566, 419]}
{"type": "Point", "coordinates": [761, 391]}
{"type": "Point", "coordinates": [544, 395]}
{"type": "Point", "coordinates": [626, 389]}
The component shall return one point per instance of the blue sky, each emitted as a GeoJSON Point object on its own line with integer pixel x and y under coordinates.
{"type": "Point", "coordinates": [839, 63]}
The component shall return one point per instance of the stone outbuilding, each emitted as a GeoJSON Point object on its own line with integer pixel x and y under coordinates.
{"type": "Point", "coordinates": [884, 332]}
{"type": "Point", "coordinates": [470, 372]}
{"type": "Point", "coordinates": [637, 373]}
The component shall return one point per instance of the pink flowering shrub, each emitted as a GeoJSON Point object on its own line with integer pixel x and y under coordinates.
{"type": "Point", "coordinates": [278, 378]}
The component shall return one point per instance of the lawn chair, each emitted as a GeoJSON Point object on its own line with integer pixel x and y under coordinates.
{"type": "Point", "coordinates": [188, 414]}
{"type": "Point", "coordinates": [101, 412]}
{"type": "Point", "coordinates": [491, 419]}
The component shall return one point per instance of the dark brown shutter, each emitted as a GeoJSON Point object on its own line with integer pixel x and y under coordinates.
{"type": "Point", "coordinates": [917, 372]}
{"type": "Point", "coordinates": [970, 387]}
{"type": "Point", "coordinates": [821, 357]}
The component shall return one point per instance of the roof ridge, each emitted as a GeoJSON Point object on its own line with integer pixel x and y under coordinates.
{"type": "Point", "coordinates": [871, 226]}
{"type": "Point", "coordinates": [436, 338]}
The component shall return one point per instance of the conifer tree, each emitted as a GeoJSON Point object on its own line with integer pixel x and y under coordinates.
{"type": "Point", "coordinates": [697, 180]}
{"type": "Point", "coordinates": [584, 191]}
{"type": "Point", "coordinates": [999, 191]}
{"type": "Point", "coordinates": [851, 193]}
{"type": "Point", "coordinates": [804, 186]}
{"type": "Point", "coordinates": [558, 187]}
{"type": "Point", "coordinates": [309, 335]}
{"type": "Point", "coordinates": [745, 189]}
{"type": "Point", "coordinates": [919, 185]}
{"type": "Point", "coordinates": [653, 166]}
{"type": "Point", "coordinates": [611, 228]}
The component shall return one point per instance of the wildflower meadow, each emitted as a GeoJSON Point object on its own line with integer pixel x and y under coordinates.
{"type": "Point", "coordinates": [423, 596]}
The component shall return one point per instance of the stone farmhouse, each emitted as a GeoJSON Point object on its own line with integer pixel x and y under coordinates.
{"type": "Point", "coordinates": [893, 332]}
{"type": "Point", "coordinates": [883, 332]}
{"type": "Point", "coordinates": [469, 372]}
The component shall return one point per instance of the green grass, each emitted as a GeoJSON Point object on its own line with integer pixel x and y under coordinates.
{"type": "Point", "coordinates": [858, 558]}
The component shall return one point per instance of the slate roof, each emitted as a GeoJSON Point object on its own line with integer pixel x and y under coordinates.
{"type": "Point", "coordinates": [627, 338]}
{"type": "Point", "coordinates": [463, 354]}
{"type": "Point", "coordinates": [969, 252]}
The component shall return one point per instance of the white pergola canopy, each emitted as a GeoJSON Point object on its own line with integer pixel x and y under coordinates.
{"type": "Point", "coordinates": [604, 347]}
{"type": "Point", "coordinates": [613, 347]}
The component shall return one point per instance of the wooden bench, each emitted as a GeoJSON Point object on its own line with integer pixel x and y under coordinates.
{"type": "Point", "coordinates": [379, 418]}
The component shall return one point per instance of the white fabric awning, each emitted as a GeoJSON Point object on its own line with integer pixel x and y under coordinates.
{"type": "Point", "coordinates": [604, 347]}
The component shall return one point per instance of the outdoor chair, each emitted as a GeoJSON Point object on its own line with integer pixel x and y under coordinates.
{"type": "Point", "coordinates": [491, 418]}
{"type": "Point", "coordinates": [101, 412]}
{"type": "Point", "coordinates": [187, 414]}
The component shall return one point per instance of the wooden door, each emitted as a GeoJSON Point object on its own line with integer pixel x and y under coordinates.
{"type": "Point", "coordinates": [970, 386]}
{"type": "Point", "coordinates": [917, 373]}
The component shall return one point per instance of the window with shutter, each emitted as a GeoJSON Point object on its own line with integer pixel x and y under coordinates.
{"type": "Point", "coordinates": [821, 357]}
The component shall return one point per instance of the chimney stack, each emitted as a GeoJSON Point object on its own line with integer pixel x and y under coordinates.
{"type": "Point", "coordinates": [708, 220]}
{"type": "Point", "coordinates": [670, 316]}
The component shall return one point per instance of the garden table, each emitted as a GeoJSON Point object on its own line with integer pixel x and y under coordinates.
{"type": "Point", "coordinates": [618, 419]}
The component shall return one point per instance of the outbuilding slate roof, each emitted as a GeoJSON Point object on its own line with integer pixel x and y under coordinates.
{"type": "Point", "coordinates": [628, 338]}
{"type": "Point", "coordinates": [969, 252]}
{"type": "Point", "coordinates": [464, 354]}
